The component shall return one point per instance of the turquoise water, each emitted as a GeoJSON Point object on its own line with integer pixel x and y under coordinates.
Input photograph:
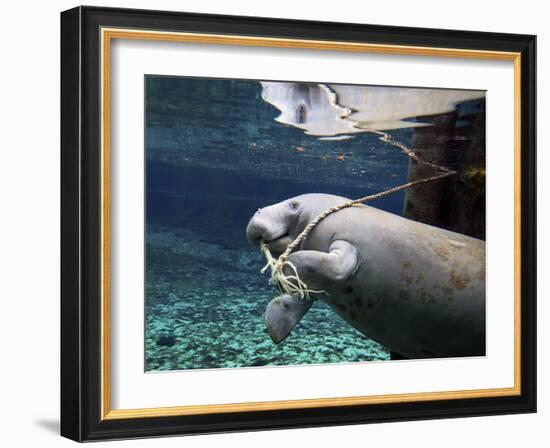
{"type": "Point", "coordinates": [214, 156]}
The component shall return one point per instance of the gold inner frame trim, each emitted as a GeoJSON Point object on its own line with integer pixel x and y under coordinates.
{"type": "Point", "coordinates": [107, 35]}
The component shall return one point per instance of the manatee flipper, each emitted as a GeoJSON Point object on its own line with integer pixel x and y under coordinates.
{"type": "Point", "coordinates": [283, 313]}
{"type": "Point", "coordinates": [318, 269]}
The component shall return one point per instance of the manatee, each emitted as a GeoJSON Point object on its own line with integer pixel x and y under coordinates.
{"type": "Point", "coordinates": [417, 289]}
{"type": "Point", "coordinates": [283, 313]}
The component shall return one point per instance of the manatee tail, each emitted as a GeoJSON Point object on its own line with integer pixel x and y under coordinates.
{"type": "Point", "coordinates": [283, 313]}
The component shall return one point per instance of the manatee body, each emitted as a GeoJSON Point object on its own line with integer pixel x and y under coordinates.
{"type": "Point", "coordinates": [417, 289]}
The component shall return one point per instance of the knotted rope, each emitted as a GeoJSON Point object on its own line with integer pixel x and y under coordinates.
{"type": "Point", "coordinates": [292, 284]}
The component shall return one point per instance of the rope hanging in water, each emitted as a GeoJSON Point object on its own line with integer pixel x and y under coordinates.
{"type": "Point", "coordinates": [292, 284]}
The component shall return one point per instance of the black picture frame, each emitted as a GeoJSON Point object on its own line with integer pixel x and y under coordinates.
{"type": "Point", "coordinates": [81, 413]}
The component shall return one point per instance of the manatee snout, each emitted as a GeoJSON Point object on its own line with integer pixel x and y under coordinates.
{"type": "Point", "coordinates": [267, 224]}
{"type": "Point", "coordinates": [255, 231]}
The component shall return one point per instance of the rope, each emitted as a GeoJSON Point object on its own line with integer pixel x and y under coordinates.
{"type": "Point", "coordinates": [292, 284]}
{"type": "Point", "coordinates": [385, 137]}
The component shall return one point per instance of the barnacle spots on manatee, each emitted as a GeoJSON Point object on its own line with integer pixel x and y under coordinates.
{"type": "Point", "coordinates": [347, 290]}
{"type": "Point", "coordinates": [459, 281]}
{"type": "Point", "coordinates": [448, 293]}
{"type": "Point", "coordinates": [406, 274]}
{"type": "Point", "coordinates": [358, 302]}
{"type": "Point", "coordinates": [393, 244]}
{"type": "Point", "coordinates": [419, 277]}
{"type": "Point", "coordinates": [370, 304]}
{"type": "Point", "coordinates": [442, 252]}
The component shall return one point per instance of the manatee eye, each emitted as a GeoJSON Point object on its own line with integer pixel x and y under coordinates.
{"type": "Point", "coordinates": [301, 114]}
{"type": "Point", "coordinates": [294, 205]}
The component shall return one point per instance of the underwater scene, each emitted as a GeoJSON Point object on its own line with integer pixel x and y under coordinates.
{"type": "Point", "coordinates": [225, 157]}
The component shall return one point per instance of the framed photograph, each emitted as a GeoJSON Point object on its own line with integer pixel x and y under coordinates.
{"type": "Point", "coordinates": [277, 224]}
